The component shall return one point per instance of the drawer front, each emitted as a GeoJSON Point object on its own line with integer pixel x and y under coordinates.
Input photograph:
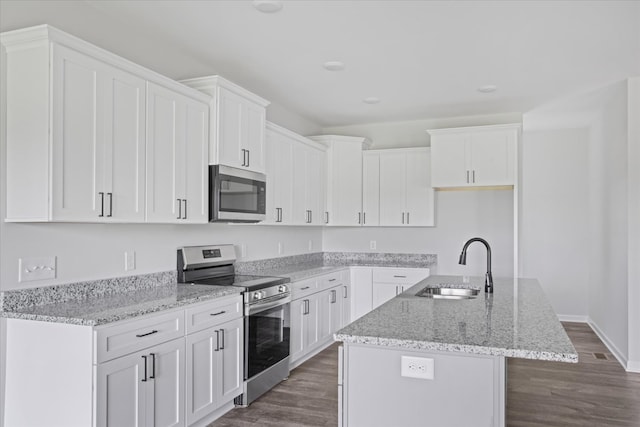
{"type": "Point", "coordinates": [213, 313]}
{"type": "Point", "coordinates": [120, 339]}
{"type": "Point", "coordinates": [330, 280]}
{"type": "Point", "coordinates": [399, 275]}
{"type": "Point", "coordinates": [304, 288]}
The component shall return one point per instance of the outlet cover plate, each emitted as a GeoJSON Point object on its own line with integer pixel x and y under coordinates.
{"type": "Point", "coordinates": [417, 367]}
{"type": "Point", "coordinates": [36, 268]}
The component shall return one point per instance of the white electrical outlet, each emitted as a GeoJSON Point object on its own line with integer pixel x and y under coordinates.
{"type": "Point", "coordinates": [36, 268]}
{"type": "Point", "coordinates": [243, 250]}
{"type": "Point", "coordinates": [129, 260]}
{"type": "Point", "coordinates": [417, 367]}
{"type": "Point", "coordinates": [372, 244]}
{"type": "Point", "coordinates": [280, 248]}
{"type": "Point", "coordinates": [310, 245]}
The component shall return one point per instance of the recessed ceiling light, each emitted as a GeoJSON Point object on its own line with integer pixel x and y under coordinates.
{"type": "Point", "coordinates": [487, 88]}
{"type": "Point", "coordinates": [371, 100]}
{"type": "Point", "coordinates": [268, 6]}
{"type": "Point", "coordinates": [333, 65]}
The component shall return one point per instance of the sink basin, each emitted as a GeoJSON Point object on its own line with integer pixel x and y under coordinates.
{"type": "Point", "coordinates": [448, 293]}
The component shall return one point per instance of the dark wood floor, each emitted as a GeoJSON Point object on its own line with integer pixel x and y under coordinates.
{"type": "Point", "coordinates": [591, 393]}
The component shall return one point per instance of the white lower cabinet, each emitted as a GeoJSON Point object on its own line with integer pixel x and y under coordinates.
{"type": "Point", "coordinates": [317, 312]}
{"type": "Point", "coordinates": [148, 371]}
{"type": "Point", "coordinates": [214, 368]}
{"type": "Point", "coordinates": [143, 389]}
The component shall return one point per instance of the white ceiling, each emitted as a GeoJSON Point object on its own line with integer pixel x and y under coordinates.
{"type": "Point", "coordinates": [423, 59]}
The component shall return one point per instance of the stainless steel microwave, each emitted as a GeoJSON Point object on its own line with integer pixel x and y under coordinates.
{"type": "Point", "coordinates": [236, 195]}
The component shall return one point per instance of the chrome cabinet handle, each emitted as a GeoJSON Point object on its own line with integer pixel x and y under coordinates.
{"type": "Point", "coordinates": [403, 217]}
{"type": "Point", "coordinates": [217, 341]}
{"type": "Point", "coordinates": [144, 380]}
{"type": "Point", "coordinates": [364, 217]}
{"type": "Point", "coordinates": [101, 204]}
{"type": "Point", "coordinates": [400, 276]}
{"type": "Point", "coordinates": [110, 204]}
{"type": "Point", "coordinates": [218, 313]}
{"type": "Point", "coordinates": [222, 335]}
{"type": "Point", "coordinates": [326, 217]}
{"type": "Point", "coordinates": [147, 334]}
{"type": "Point", "coordinates": [332, 280]}
{"type": "Point", "coordinates": [179, 209]}
{"type": "Point", "coordinates": [467, 177]}
{"type": "Point", "coordinates": [344, 292]}
{"type": "Point", "coordinates": [310, 217]}
{"type": "Point", "coordinates": [185, 209]}
{"type": "Point", "coordinates": [248, 158]}
{"type": "Point", "coordinates": [334, 297]}
{"type": "Point", "coordinates": [473, 176]}
{"type": "Point", "coordinates": [407, 217]}
{"type": "Point", "coordinates": [244, 157]}
{"type": "Point", "coordinates": [359, 217]}
{"type": "Point", "coordinates": [305, 288]}
{"type": "Point", "coordinates": [153, 366]}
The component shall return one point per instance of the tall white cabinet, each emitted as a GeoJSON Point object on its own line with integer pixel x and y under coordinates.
{"type": "Point", "coordinates": [238, 119]}
{"type": "Point", "coordinates": [78, 124]}
{"type": "Point", "coordinates": [344, 178]}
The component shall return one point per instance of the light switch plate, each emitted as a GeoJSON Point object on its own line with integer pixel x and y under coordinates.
{"type": "Point", "coordinates": [36, 268]}
{"type": "Point", "coordinates": [130, 260]}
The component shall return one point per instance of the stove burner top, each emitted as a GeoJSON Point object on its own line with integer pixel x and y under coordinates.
{"type": "Point", "coordinates": [246, 281]}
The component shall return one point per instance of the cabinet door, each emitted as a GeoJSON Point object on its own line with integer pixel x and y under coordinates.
{"type": "Point", "coordinates": [335, 303]}
{"type": "Point", "coordinates": [383, 292]}
{"type": "Point", "coordinates": [392, 189]}
{"type": "Point", "coordinates": [420, 194]}
{"type": "Point", "coordinates": [253, 118]}
{"type": "Point", "coordinates": [195, 206]}
{"type": "Point", "coordinates": [231, 358]}
{"type": "Point", "coordinates": [124, 148]}
{"type": "Point", "coordinates": [78, 136]}
{"type": "Point", "coordinates": [450, 167]}
{"type": "Point", "coordinates": [279, 170]}
{"type": "Point", "coordinates": [298, 328]}
{"type": "Point", "coordinates": [167, 385]}
{"type": "Point", "coordinates": [164, 156]}
{"type": "Point", "coordinates": [326, 310]}
{"type": "Point", "coordinates": [345, 318]}
{"type": "Point", "coordinates": [370, 189]}
{"type": "Point", "coordinates": [229, 141]}
{"type": "Point", "coordinates": [315, 192]}
{"type": "Point", "coordinates": [491, 156]}
{"type": "Point", "coordinates": [201, 374]}
{"type": "Point", "coordinates": [345, 184]}
{"type": "Point", "coordinates": [361, 291]}
{"type": "Point", "coordinates": [121, 389]}
{"type": "Point", "coordinates": [312, 322]}
{"type": "Point", "coordinates": [300, 176]}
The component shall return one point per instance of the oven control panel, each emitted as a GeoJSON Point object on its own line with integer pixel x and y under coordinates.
{"type": "Point", "coordinates": [267, 293]}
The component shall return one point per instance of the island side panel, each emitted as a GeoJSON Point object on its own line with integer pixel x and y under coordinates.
{"type": "Point", "coordinates": [465, 390]}
{"type": "Point", "coordinates": [49, 378]}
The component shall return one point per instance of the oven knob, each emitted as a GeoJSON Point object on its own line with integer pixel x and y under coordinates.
{"type": "Point", "coordinates": [282, 289]}
{"type": "Point", "coordinates": [257, 295]}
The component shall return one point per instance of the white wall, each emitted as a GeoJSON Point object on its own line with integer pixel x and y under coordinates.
{"type": "Point", "coordinates": [554, 218]}
{"type": "Point", "coordinates": [608, 287]}
{"type": "Point", "coordinates": [460, 215]}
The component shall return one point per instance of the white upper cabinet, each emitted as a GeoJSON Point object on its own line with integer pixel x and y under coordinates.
{"type": "Point", "coordinates": [238, 119]}
{"type": "Point", "coordinates": [406, 195]}
{"type": "Point", "coordinates": [177, 144]}
{"type": "Point", "coordinates": [344, 183]}
{"type": "Point", "coordinates": [295, 178]}
{"type": "Point", "coordinates": [76, 131]}
{"type": "Point", "coordinates": [480, 156]}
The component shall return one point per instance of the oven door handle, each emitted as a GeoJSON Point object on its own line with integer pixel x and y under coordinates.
{"type": "Point", "coordinates": [257, 308]}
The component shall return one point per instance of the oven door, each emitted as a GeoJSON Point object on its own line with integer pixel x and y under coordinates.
{"type": "Point", "coordinates": [236, 195]}
{"type": "Point", "coordinates": [267, 331]}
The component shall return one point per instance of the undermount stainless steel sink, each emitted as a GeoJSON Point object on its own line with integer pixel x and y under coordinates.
{"type": "Point", "coordinates": [448, 293]}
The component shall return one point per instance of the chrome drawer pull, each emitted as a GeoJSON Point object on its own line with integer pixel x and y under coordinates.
{"type": "Point", "coordinates": [400, 276]}
{"type": "Point", "coordinates": [218, 313]}
{"type": "Point", "coordinates": [305, 288]}
{"type": "Point", "coordinates": [148, 333]}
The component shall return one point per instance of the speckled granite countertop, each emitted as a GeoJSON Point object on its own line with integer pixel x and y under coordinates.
{"type": "Point", "coordinates": [516, 321]}
{"type": "Point", "coordinates": [123, 306]}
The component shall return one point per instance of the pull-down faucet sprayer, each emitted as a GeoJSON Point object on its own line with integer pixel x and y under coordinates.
{"type": "Point", "coordinates": [488, 280]}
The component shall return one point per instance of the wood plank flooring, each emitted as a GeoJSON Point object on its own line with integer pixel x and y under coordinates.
{"type": "Point", "coordinates": [591, 393]}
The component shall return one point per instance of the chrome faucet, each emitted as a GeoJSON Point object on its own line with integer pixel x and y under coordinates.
{"type": "Point", "coordinates": [488, 279]}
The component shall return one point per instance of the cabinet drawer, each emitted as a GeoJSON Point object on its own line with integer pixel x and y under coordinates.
{"type": "Point", "coordinates": [213, 313]}
{"type": "Point", "coordinates": [304, 287]}
{"type": "Point", "coordinates": [399, 275]}
{"type": "Point", "coordinates": [120, 339]}
{"type": "Point", "coordinates": [330, 280]}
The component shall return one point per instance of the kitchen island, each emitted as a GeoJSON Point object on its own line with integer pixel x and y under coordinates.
{"type": "Point", "coordinates": [418, 361]}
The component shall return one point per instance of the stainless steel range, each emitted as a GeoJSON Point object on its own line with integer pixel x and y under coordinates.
{"type": "Point", "coordinates": [266, 314]}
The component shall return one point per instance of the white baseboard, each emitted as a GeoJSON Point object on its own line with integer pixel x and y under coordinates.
{"type": "Point", "coordinates": [609, 344]}
{"type": "Point", "coordinates": [633, 366]}
{"type": "Point", "coordinates": [573, 318]}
